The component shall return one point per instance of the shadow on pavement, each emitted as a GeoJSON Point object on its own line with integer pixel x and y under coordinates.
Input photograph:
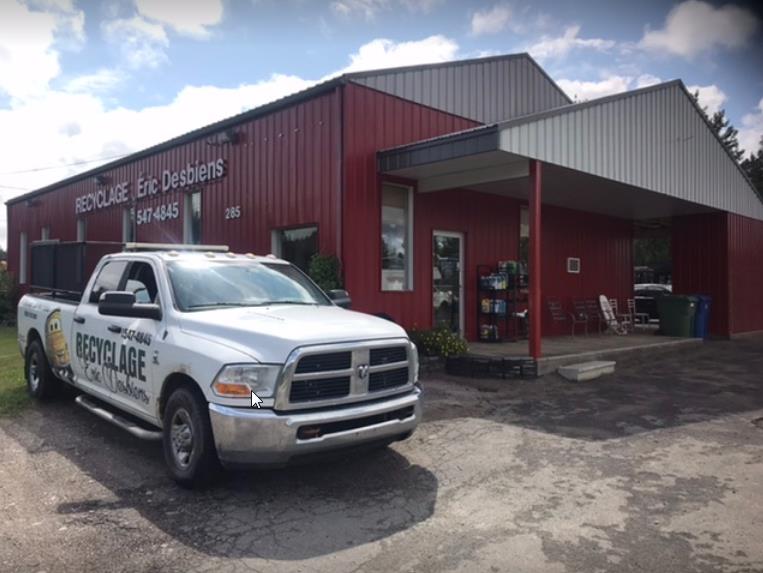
{"type": "Point", "coordinates": [696, 385]}
{"type": "Point", "coordinates": [287, 514]}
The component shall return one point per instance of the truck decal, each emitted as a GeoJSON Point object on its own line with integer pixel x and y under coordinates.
{"type": "Point", "coordinates": [56, 346]}
{"type": "Point", "coordinates": [127, 360]}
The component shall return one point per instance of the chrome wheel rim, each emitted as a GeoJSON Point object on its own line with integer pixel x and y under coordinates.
{"type": "Point", "coordinates": [34, 373]}
{"type": "Point", "coordinates": [181, 437]}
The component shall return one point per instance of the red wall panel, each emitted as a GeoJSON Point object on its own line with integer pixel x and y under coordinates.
{"type": "Point", "coordinates": [605, 248]}
{"type": "Point", "coordinates": [701, 265]}
{"type": "Point", "coordinates": [745, 251]}
{"type": "Point", "coordinates": [283, 173]}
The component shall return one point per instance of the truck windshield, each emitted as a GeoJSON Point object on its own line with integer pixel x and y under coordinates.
{"type": "Point", "coordinates": [200, 285]}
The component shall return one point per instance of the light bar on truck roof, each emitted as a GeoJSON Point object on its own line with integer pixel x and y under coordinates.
{"type": "Point", "coordinates": [175, 247]}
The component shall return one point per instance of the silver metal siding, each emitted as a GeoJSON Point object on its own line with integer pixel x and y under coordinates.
{"type": "Point", "coordinates": [656, 140]}
{"type": "Point", "coordinates": [490, 91]}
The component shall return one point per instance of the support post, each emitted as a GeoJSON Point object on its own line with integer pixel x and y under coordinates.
{"type": "Point", "coordinates": [536, 313]}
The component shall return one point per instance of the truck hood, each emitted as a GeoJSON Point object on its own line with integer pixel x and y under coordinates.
{"type": "Point", "coordinates": [271, 333]}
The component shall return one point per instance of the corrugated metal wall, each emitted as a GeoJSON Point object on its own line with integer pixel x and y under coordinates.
{"type": "Point", "coordinates": [745, 251]}
{"type": "Point", "coordinates": [605, 248]}
{"type": "Point", "coordinates": [701, 264]}
{"type": "Point", "coordinates": [284, 172]}
{"type": "Point", "coordinates": [654, 139]}
{"type": "Point", "coordinates": [487, 90]}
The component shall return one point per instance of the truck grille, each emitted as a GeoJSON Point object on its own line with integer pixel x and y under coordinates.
{"type": "Point", "coordinates": [324, 362]}
{"type": "Point", "coordinates": [334, 374]}
{"type": "Point", "coordinates": [388, 355]}
{"type": "Point", "coordinates": [387, 379]}
{"type": "Point", "coordinates": [319, 389]}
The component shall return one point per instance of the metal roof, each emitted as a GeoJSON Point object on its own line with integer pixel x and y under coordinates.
{"type": "Point", "coordinates": [487, 90]}
{"type": "Point", "coordinates": [654, 138]}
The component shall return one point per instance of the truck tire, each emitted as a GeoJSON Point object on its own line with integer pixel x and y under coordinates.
{"type": "Point", "coordinates": [41, 383]}
{"type": "Point", "coordinates": [189, 446]}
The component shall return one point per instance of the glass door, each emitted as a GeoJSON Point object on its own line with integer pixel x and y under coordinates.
{"type": "Point", "coordinates": [448, 280]}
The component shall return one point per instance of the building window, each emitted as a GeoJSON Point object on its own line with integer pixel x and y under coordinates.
{"type": "Point", "coordinates": [296, 245]}
{"type": "Point", "coordinates": [524, 234]}
{"type": "Point", "coordinates": [192, 220]}
{"type": "Point", "coordinates": [128, 225]}
{"type": "Point", "coordinates": [81, 229]}
{"type": "Point", "coordinates": [23, 255]}
{"type": "Point", "coordinates": [396, 233]}
{"type": "Point", "coordinates": [45, 234]}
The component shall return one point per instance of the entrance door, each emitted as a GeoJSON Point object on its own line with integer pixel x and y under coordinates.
{"type": "Point", "coordinates": [448, 280]}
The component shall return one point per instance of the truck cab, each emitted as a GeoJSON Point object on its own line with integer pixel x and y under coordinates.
{"type": "Point", "coordinates": [229, 359]}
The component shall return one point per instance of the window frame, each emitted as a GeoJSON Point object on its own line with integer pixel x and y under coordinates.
{"type": "Point", "coordinates": [409, 229]}
{"type": "Point", "coordinates": [188, 217]}
{"type": "Point", "coordinates": [129, 222]}
{"type": "Point", "coordinates": [276, 245]}
{"type": "Point", "coordinates": [23, 258]}
{"type": "Point", "coordinates": [81, 229]}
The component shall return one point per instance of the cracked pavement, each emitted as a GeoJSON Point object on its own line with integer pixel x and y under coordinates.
{"type": "Point", "coordinates": [658, 467]}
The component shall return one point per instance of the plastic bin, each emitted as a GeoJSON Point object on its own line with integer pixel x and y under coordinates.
{"type": "Point", "coordinates": [702, 316]}
{"type": "Point", "coordinates": [677, 315]}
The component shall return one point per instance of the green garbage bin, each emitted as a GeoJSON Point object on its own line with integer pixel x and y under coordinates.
{"type": "Point", "coordinates": [677, 315]}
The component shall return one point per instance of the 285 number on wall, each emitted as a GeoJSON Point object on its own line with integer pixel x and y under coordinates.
{"type": "Point", "coordinates": [233, 212]}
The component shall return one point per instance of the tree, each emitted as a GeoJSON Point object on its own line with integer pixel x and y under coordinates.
{"type": "Point", "coordinates": [753, 166]}
{"type": "Point", "coordinates": [3, 255]}
{"type": "Point", "coordinates": [727, 133]}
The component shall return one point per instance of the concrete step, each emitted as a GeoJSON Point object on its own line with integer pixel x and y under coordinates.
{"type": "Point", "coordinates": [586, 370]}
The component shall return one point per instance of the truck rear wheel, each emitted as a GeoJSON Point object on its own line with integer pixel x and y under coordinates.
{"type": "Point", "coordinates": [41, 383]}
{"type": "Point", "coordinates": [189, 446]}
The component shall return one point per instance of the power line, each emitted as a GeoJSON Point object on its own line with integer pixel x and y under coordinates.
{"type": "Point", "coordinates": [74, 164]}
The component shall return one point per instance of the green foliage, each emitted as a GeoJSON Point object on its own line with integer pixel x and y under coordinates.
{"type": "Point", "coordinates": [325, 270]}
{"type": "Point", "coordinates": [753, 166]}
{"type": "Point", "coordinates": [722, 126]}
{"type": "Point", "coordinates": [652, 252]}
{"type": "Point", "coordinates": [8, 298]}
{"type": "Point", "coordinates": [13, 395]}
{"type": "Point", "coordinates": [438, 342]}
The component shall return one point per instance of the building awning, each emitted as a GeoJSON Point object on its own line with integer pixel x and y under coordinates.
{"type": "Point", "coordinates": [644, 154]}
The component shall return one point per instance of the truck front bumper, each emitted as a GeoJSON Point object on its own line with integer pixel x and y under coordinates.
{"type": "Point", "coordinates": [264, 438]}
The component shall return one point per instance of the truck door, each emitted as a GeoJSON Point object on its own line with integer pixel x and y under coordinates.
{"type": "Point", "coordinates": [115, 353]}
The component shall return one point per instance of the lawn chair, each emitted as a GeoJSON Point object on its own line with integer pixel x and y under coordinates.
{"type": "Point", "coordinates": [613, 324]}
{"type": "Point", "coordinates": [625, 319]}
{"type": "Point", "coordinates": [558, 314]}
{"type": "Point", "coordinates": [636, 317]}
{"type": "Point", "coordinates": [594, 313]}
{"type": "Point", "coordinates": [579, 315]}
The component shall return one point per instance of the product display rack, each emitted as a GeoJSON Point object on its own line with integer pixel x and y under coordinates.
{"type": "Point", "coordinates": [499, 297]}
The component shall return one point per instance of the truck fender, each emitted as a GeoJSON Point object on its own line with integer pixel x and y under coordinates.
{"type": "Point", "coordinates": [171, 382]}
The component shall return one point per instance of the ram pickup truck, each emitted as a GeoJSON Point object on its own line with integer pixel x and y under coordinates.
{"type": "Point", "coordinates": [229, 359]}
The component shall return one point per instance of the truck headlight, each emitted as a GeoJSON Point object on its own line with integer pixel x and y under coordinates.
{"type": "Point", "coordinates": [240, 380]}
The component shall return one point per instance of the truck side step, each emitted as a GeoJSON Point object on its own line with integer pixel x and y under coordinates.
{"type": "Point", "coordinates": [117, 420]}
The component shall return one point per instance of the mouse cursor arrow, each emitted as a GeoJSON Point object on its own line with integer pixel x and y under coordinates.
{"type": "Point", "coordinates": [256, 400]}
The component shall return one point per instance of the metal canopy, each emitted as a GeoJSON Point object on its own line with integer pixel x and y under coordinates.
{"type": "Point", "coordinates": [639, 155]}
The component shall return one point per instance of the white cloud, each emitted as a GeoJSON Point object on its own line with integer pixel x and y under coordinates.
{"type": "Point", "coordinates": [383, 53]}
{"type": "Point", "coordinates": [102, 80]}
{"type": "Point", "coordinates": [646, 80]}
{"type": "Point", "coordinates": [366, 8]}
{"type": "Point", "coordinates": [550, 47]}
{"type": "Point", "coordinates": [490, 20]}
{"type": "Point", "coordinates": [424, 6]}
{"type": "Point", "coordinates": [751, 130]}
{"type": "Point", "coordinates": [28, 58]}
{"type": "Point", "coordinates": [186, 17]}
{"type": "Point", "coordinates": [584, 90]}
{"type": "Point", "coordinates": [141, 42]}
{"type": "Point", "coordinates": [693, 27]}
{"type": "Point", "coordinates": [711, 97]}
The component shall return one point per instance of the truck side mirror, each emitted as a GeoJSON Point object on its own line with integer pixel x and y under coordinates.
{"type": "Point", "coordinates": [340, 297]}
{"type": "Point", "coordinates": [122, 303]}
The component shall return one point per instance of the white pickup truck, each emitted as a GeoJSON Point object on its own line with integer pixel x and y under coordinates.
{"type": "Point", "coordinates": [228, 359]}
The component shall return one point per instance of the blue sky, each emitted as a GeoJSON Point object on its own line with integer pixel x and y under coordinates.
{"type": "Point", "coordinates": [82, 80]}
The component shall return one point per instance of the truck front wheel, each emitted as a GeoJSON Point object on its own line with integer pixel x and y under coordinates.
{"type": "Point", "coordinates": [189, 447]}
{"type": "Point", "coordinates": [41, 383]}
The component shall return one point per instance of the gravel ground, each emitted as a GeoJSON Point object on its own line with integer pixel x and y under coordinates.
{"type": "Point", "coordinates": [656, 468]}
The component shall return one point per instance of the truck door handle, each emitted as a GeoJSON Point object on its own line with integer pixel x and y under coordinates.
{"type": "Point", "coordinates": [114, 328]}
{"type": "Point", "coordinates": [79, 319]}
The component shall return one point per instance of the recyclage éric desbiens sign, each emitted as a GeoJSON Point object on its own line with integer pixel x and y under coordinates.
{"type": "Point", "coordinates": [120, 193]}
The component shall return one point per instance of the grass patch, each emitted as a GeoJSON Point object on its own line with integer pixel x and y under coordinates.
{"type": "Point", "coordinates": [13, 395]}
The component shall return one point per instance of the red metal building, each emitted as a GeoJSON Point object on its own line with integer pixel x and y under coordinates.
{"type": "Point", "coordinates": [415, 177]}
